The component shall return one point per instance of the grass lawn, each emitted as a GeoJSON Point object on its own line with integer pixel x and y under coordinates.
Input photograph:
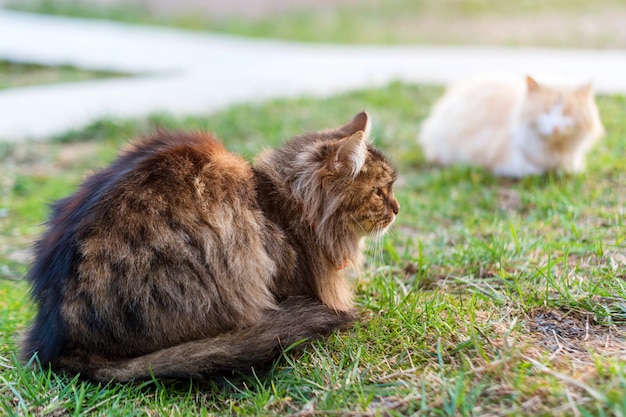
{"type": "Point", "coordinates": [489, 296]}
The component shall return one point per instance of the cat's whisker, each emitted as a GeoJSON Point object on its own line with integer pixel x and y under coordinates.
{"type": "Point", "coordinates": [370, 250]}
{"type": "Point", "coordinates": [358, 223]}
{"type": "Point", "coordinates": [390, 232]}
{"type": "Point", "coordinates": [376, 237]}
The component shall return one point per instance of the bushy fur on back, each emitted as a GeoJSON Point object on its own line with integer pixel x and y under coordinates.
{"type": "Point", "coordinates": [181, 259]}
{"type": "Point", "coordinates": [512, 127]}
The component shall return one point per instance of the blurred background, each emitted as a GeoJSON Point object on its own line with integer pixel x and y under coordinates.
{"type": "Point", "coordinates": [554, 23]}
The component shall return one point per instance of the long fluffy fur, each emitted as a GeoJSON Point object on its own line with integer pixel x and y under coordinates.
{"type": "Point", "coordinates": [295, 319]}
{"type": "Point", "coordinates": [511, 126]}
{"type": "Point", "coordinates": [181, 259]}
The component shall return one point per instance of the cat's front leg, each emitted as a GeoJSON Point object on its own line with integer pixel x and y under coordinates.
{"type": "Point", "coordinates": [517, 167]}
{"type": "Point", "coordinates": [574, 164]}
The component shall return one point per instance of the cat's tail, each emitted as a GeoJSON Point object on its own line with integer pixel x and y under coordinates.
{"type": "Point", "coordinates": [296, 319]}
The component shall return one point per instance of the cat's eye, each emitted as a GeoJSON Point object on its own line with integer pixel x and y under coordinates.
{"type": "Point", "coordinates": [378, 191]}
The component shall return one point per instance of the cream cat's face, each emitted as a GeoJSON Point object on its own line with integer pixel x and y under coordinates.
{"type": "Point", "coordinates": [558, 115]}
{"type": "Point", "coordinates": [554, 121]}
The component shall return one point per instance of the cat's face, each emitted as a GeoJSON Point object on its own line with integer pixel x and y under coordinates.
{"type": "Point", "coordinates": [345, 180]}
{"type": "Point", "coordinates": [375, 206]}
{"type": "Point", "coordinates": [558, 115]}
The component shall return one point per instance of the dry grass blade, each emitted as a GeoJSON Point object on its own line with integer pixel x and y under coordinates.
{"type": "Point", "coordinates": [568, 380]}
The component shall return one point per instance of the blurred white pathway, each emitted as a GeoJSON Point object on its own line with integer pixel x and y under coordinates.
{"type": "Point", "coordinates": [192, 73]}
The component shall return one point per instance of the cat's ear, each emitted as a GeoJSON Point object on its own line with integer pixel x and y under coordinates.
{"type": "Point", "coordinates": [531, 84]}
{"type": "Point", "coordinates": [359, 123]}
{"type": "Point", "coordinates": [351, 152]}
{"type": "Point", "coordinates": [585, 90]}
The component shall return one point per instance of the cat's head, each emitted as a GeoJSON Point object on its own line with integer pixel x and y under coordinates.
{"type": "Point", "coordinates": [560, 116]}
{"type": "Point", "coordinates": [342, 182]}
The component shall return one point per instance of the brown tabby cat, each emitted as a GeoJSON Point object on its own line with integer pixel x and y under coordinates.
{"type": "Point", "coordinates": [181, 260]}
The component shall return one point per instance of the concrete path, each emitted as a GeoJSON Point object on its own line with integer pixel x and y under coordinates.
{"type": "Point", "coordinates": [194, 73]}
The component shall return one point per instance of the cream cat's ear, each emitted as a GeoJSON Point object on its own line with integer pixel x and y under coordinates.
{"type": "Point", "coordinates": [531, 84]}
{"type": "Point", "coordinates": [351, 152]}
{"type": "Point", "coordinates": [586, 89]}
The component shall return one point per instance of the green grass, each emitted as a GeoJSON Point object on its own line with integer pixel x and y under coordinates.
{"type": "Point", "coordinates": [489, 296]}
{"type": "Point", "coordinates": [559, 23]}
{"type": "Point", "coordinates": [16, 74]}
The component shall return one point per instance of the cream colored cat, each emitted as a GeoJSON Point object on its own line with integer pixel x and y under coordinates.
{"type": "Point", "coordinates": [513, 127]}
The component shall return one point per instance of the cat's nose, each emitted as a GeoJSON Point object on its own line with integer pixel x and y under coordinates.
{"type": "Point", "coordinates": [395, 207]}
{"type": "Point", "coordinates": [555, 130]}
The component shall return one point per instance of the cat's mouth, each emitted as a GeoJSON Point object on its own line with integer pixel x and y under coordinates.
{"type": "Point", "coordinates": [377, 227]}
{"type": "Point", "coordinates": [377, 222]}
{"type": "Point", "coordinates": [382, 226]}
